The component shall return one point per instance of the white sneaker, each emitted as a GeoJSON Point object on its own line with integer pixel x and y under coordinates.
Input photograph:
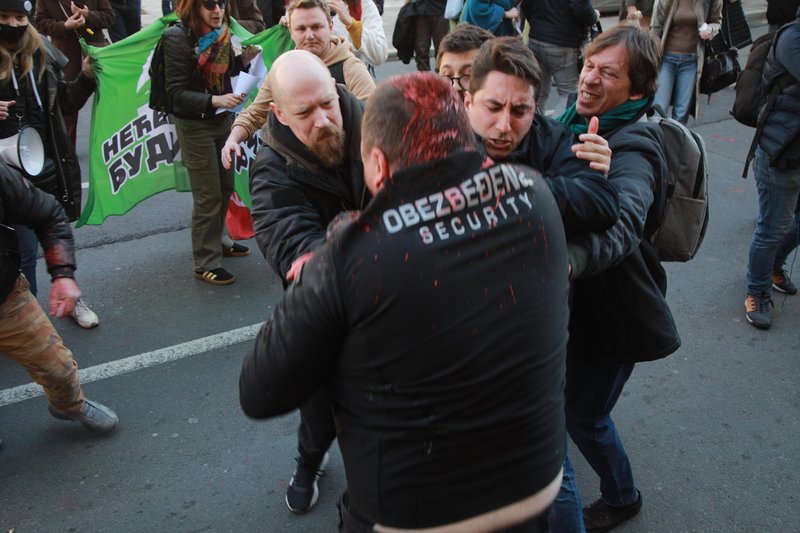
{"type": "Point", "coordinates": [83, 316]}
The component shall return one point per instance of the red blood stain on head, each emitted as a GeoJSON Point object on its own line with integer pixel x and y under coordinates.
{"type": "Point", "coordinates": [433, 130]}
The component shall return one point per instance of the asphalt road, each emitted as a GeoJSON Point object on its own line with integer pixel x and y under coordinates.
{"type": "Point", "coordinates": [712, 431]}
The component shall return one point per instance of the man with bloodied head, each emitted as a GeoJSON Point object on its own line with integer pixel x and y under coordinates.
{"type": "Point", "coordinates": [437, 319]}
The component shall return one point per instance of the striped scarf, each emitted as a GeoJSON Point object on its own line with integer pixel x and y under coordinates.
{"type": "Point", "coordinates": [213, 56]}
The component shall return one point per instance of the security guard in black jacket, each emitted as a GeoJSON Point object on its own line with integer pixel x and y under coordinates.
{"type": "Point", "coordinates": [437, 317]}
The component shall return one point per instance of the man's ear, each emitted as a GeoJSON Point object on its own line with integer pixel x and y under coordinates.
{"type": "Point", "coordinates": [467, 100]}
{"type": "Point", "coordinates": [382, 171]}
{"type": "Point", "coordinates": [275, 109]}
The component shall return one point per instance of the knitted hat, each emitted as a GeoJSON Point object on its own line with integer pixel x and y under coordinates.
{"type": "Point", "coordinates": [17, 6]}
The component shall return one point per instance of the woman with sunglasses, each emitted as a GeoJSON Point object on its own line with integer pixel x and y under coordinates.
{"type": "Point", "coordinates": [199, 62]}
{"type": "Point", "coordinates": [33, 93]}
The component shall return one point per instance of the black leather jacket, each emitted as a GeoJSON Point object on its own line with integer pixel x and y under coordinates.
{"type": "Point", "coordinates": [439, 317]}
{"type": "Point", "coordinates": [22, 203]}
{"type": "Point", "coordinates": [293, 197]}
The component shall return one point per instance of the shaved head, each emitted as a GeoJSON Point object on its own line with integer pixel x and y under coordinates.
{"type": "Point", "coordinates": [295, 69]}
{"type": "Point", "coordinates": [306, 100]}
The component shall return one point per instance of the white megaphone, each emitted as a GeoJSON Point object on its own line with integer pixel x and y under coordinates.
{"type": "Point", "coordinates": [24, 151]}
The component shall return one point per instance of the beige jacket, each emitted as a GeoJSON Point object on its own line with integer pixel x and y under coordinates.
{"type": "Point", "coordinates": [356, 78]}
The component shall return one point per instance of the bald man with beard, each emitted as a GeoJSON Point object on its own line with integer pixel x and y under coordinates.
{"type": "Point", "coordinates": [308, 172]}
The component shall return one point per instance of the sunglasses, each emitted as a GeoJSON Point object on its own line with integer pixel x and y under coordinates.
{"type": "Point", "coordinates": [212, 4]}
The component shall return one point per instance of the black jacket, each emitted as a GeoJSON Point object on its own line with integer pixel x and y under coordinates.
{"type": "Point", "coordinates": [404, 34]}
{"type": "Point", "coordinates": [187, 91]}
{"type": "Point", "coordinates": [559, 22]}
{"type": "Point", "coordinates": [443, 330]}
{"type": "Point", "coordinates": [293, 197]}
{"type": "Point", "coordinates": [781, 11]}
{"type": "Point", "coordinates": [585, 198]}
{"type": "Point", "coordinates": [619, 313]}
{"type": "Point", "coordinates": [22, 203]}
{"type": "Point", "coordinates": [59, 97]}
{"type": "Point", "coordinates": [780, 138]}
{"type": "Point", "coordinates": [431, 8]}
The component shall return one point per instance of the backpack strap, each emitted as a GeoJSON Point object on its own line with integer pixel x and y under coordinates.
{"type": "Point", "coordinates": [337, 71]}
{"type": "Point", "coordinates": [778, 85]}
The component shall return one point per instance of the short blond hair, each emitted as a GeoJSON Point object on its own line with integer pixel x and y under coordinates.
{"type": "Point", "coordinates": [308, 4]}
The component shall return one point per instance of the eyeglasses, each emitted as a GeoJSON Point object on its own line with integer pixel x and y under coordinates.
{"type": "Point", "coordinates": [212, 4]}
{"type": "Point", "coordinates": [461, 81]}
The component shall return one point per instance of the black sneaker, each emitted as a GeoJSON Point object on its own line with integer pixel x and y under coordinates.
{"type": "Point", "coordinates": [756, 310]}
{"type": "Point", "coordinates": [303, 491]}
{"type": "Point", "coordinates": [600, 517]}
{"type": "Point", "coordinates": [781, 282]}
{"type": "Point", "coordinates": [216, 276]}
{"type": "Point", "coordinates": [237, 250]}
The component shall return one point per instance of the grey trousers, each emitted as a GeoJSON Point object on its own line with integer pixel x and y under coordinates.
{"type": "Point", "coordinates": [559, 66]}
{"type": "Point", "coordinates": [201, 143]}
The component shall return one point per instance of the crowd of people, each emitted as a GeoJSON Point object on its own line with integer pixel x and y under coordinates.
{"type": "Point", "coordinates": [469, 282]}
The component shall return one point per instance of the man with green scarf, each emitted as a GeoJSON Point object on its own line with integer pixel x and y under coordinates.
{"type": "Point", "coordinates": [619, 314]}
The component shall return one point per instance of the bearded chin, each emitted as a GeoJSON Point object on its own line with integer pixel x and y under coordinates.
{"type": "Point", "coordinates": [330, 150]}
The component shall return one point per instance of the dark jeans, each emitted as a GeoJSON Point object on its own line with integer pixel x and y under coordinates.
{"type": "Point", "coordinates": [427, 28]}
{"type": "Point", "coordinates": [776, 230]}
{"type": "Point", "coordinates": [592, 392]}
{"type": "Point", "coordinates": [166, 7]}
{"type": "Point", "coordinates": [127, 19]}
{"type": "Point", "coordinates": [317, 427]}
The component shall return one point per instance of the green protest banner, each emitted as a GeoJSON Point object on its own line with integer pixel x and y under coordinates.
{"type": "Point", "coordinates": [133, 151]}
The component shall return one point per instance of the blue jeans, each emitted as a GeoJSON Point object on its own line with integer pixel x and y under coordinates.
{"type": "Point", "coordinates": [166, 7]}
{"type": "Point", "coordinates": [566, 513]}
{"type": "Point", "coordinates": [790, 241]}
{"type": "Point", "coordinates": [676, 84]}
{"type": "Point", "coordinates": [127, 19]}
{"type": "Point", "coordinates": [28, 249]}
{"type": "Point", "coordinates": [592, 392]}
{"type": "Point", "coordinates": [777, 225]}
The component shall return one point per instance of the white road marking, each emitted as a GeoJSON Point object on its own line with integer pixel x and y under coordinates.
{"type": "Point", "coordinates": [84, 185]}
{"type": "Point", "coordinates": [138, 362]}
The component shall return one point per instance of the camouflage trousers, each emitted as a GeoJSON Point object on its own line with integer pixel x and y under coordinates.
{"type": "Point", "coordinates": [28, 337]}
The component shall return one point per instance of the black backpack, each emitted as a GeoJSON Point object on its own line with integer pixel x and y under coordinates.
{"type": "Point", "coordinates": [158, 78]}
{"type": "Point", "coordinates": [753, 100]}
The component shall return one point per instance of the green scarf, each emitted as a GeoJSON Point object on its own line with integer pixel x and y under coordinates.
{"type": "Point", "coordinates": [608, 121]}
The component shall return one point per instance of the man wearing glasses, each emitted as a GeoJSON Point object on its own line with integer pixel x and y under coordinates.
{"type": "Point", "coordinates": [456, 53]}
